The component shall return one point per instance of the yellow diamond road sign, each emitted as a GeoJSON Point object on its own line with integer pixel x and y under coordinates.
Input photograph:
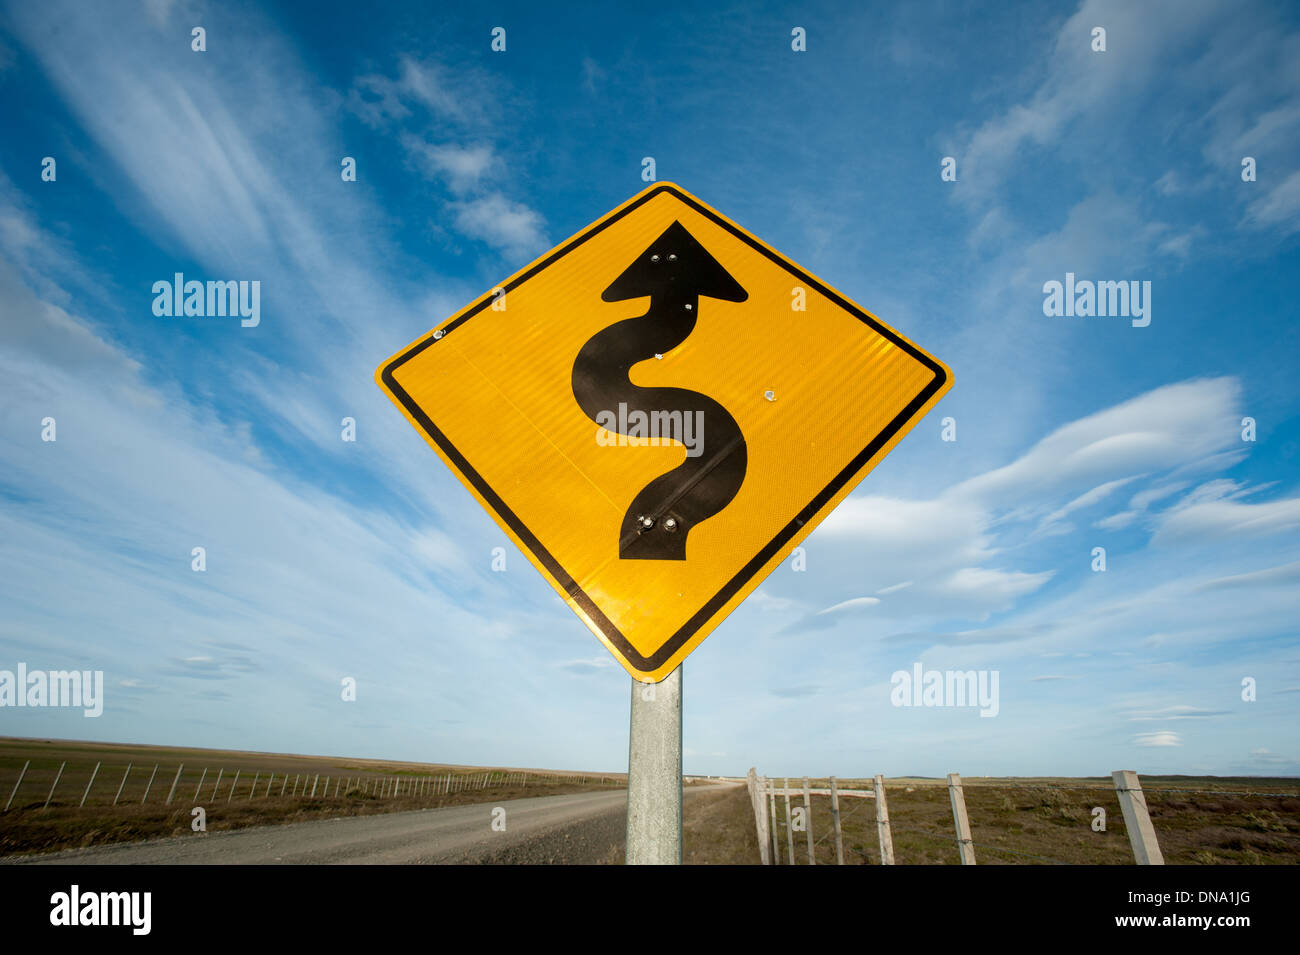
{"type": "Point", "coordinates": [658, 411]}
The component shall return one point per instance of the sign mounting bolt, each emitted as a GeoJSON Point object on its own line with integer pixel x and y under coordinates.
{"type": "Point", "coordinates": [439, 333]}
{"type": "Point", "coordinates": [770, 395]}
{"type": "Point", "coordinates": [670, 524]}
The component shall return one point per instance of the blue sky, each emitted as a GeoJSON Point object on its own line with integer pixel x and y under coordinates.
{"type": "Point", "coordinates": [329, 559]}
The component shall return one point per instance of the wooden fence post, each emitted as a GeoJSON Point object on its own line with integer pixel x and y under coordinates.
{"type": "Point", "coordinates": [760, 815]}
{"type": "Point", "coordinates": [1141, 834]}
{"type": "Point", "coordinates": [150, 784]}
{"type": "Point", "coordinates": [89, 784]}
{"type": "Point", "coordinates": [789, 829]}
{"type": "Point", "coordinates": [199, 787]}
{"type": "Point", "coordinates": [284, 784]}
{"type": "Point", "coordinates": [233, 783]}
{"type": "Point", "coordinates": [252, 790]}
{"type": "Point", "coordinates": [56, 783]}
{"type": "Point", "coordinates": [122, 785]}
{"type": "Point", "coordinates": [14, 792]}
{"type": "Point", "coordinates": [221, 771]}
{"type": "Point", "coordinates": [179, 770]}
{"type": "Point", "coordinates": [960, 819]}
{"type": "Point", "coordinates": [882, 823]}
{"type": "Point", "coordinates": [835, 818]}
{"type": "Point", "coordinates": [776, 838]}
{"type": "Point", "coordinates": [807, 822]}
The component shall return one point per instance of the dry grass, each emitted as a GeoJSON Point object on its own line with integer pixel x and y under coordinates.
{"type": "Point", "coordinates": [30, 827]}
{"type": "Point", "coordinates": [1020, 822]}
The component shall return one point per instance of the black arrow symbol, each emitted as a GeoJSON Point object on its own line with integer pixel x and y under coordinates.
{"type": "Point", "coordinates": [675, 272]}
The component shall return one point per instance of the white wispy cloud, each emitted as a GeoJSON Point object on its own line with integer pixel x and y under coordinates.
{"type": "Point", "coordinates": [510, 226]}
{"type": "Point", "coordinates": [463, 167]}
{"type": "Point", "coordinates": [1158, 738]}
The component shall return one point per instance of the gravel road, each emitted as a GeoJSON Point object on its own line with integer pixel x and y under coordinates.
{"type": "Point", "coordinates": [574, 829]}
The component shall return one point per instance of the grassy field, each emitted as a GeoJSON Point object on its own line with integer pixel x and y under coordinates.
{"type": "Point", "coordinates": [238, 789]}
{"type": "Point", "coordinates": [1019, 822]}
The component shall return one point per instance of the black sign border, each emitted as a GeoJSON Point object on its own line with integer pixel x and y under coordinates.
{"type": "Point", "coordinates": [706, 613]}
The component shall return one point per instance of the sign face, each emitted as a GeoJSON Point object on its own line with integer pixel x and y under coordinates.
{"type": "Point", "coordinates": [658, 411]}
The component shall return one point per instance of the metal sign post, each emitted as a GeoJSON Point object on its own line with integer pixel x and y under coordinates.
{"type": "Point", "coordinates": [654, 773]}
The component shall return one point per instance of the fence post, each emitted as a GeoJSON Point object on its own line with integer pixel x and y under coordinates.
{"type": "Point", "coordinates": [960, 819]}
{"type": "Point", "coordinates": [152, 776]}
{"type": "Point", "coordinates": [760, 816]}
{"type": "Point", "coordinates": [835, 818]}
{"type": "Point", "coordinates": [56, 783]}
{"type": "Point", "coordinates": [17, 784]}
{"type": "Point", "coordinates": [1141, 834]}
{"type": "Point", "coordinates": [269, 783]}
{"type": "Point", "coordinates": [313, 785]}
{"type": "Point", "coordinates": [252, 790]}
{"type": "Point", "coordinates": [882, 823]}
{"type": "Point", "coordinates": [284, 784]}
{"type": "Point", "coordinates": [773, 829]}
{"type": "Point", "coordinates": [179, 770]}
{"type": "Point", "coordinates": [233, 784]}
{"type": "Point", "coordinates": [122, 785]}
{"type": "Point", "coordinates": [199, 788]}
{"type": "Point", "coordinates": [789, 829]}
{"type": "Point", "coordinates": [88, 785]}
{"type": "Point", "coordinates": [807, 822]}
{"type": "Point", "coordinates": [217, 785]}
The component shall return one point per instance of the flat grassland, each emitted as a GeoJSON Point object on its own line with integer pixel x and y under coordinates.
{"type": "Point", "coordinates": [1021, 821]}
{"type": "Point", "coordinates": [1198, 821]}
{"type": "Point", "coordinates": [238, 789]}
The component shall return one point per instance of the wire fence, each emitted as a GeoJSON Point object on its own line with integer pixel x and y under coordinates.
{"type": "Point", "coordinates": [1027, 822]}
{"type": "Point", "coordinates": [45, 784]}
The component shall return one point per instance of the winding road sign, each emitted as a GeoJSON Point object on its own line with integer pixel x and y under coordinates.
{"type": "Point", "coordinates": [658, 411]}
